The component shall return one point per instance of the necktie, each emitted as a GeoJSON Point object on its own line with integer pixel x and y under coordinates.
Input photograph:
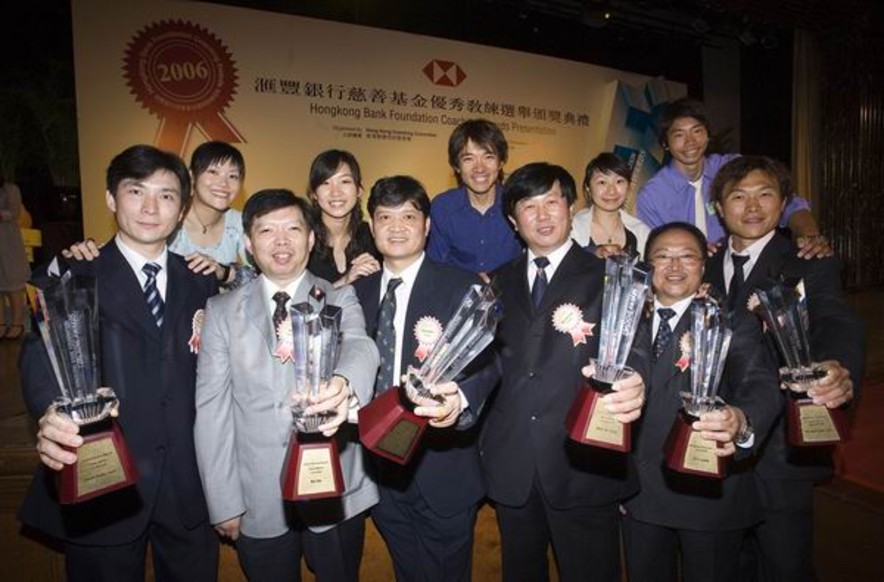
{"type": "Point", "coordinates": [664, 332]}
{"type": "Point", "coordinates": [699, 205]}
{"type": "Point", "coordinates": [385, 337]}
{"type": "Point", "coordinates": [152, 294]}
{"type": "Point", "coordinates": [737, 280]}
{"type": "Point", "coordinates": [280, 313]}
{"type": "Point", "coordinates": [540, 281]}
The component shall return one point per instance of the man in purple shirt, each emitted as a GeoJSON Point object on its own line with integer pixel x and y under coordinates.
{"type": "Point", "coordinates": [467, 225]}
{"type": "Point", "coordinates": [680, 190]}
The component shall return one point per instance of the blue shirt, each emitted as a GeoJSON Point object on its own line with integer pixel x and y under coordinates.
{"type": "Point", "coordinates": [462, 236]}
{"type": "Point", "coordinates": [669, 197]}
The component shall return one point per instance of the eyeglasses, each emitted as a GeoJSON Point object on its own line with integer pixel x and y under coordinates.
{"type": "Point", "coordinates": [686, 260]}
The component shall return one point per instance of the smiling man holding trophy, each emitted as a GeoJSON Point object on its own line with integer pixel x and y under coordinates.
{"type": "Point", "coordinates": [549, 489]}
{"type": "Point", "coordinates": [260, 394]}
{"type": "Point", "coordinates": [428, 506]}
{"type": "Point", "coordinates": [688, 499]}
{"type": "Point", "coordinates": [147, 303]}
{"type": "Point", "coordinates": [750, 194]}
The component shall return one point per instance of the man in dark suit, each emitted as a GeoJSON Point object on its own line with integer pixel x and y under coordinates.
{"type": "Point", "coordinates": [750, 193]}
{"type": "Point", "coordinates": [703, 519]}
{"type": "Point", "coordinates": [547, 488]}
{"type": "Point", "coordinates": [147, 359]}
{"type": "Point", "coordinates": [427, 509]}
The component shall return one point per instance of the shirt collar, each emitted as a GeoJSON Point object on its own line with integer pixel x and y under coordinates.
{"type": "Point", "coordinates": [679, 307]}
{"type": "Point", "coordinates": [270, 288]}
{"type": "Point", "coordinates": [555, 257]}
{"type": "Point", "coordinates": [408, 274]}
{"type": "Point", "coordinates": [754, 250]}
{"type": "Point", "coordinates": [136, 260]}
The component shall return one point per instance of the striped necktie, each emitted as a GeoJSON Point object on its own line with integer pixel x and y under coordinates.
{"type": "Point", "coordinates": [385, 337]}
{"type": "Point", "coordinates": [152, 294]}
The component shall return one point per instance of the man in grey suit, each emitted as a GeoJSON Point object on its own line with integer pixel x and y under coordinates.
{"type": "Point", "coordinates": [244, 420]}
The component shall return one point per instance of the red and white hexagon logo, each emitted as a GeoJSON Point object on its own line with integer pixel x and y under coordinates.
{"type": "Point", "coordinates": [445, 73]}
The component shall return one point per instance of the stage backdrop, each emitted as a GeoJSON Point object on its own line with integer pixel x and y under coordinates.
{"type": "Point", "coordinates": [283, 88]}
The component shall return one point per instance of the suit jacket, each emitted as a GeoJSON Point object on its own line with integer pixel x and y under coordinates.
{"type": "Point", "coordinates": [524, 437]}
{"type": "Point", "coordinates": [835, 331]}
{"type": "Point", "coordinates": [153, 373]}
{"type": "Point", "coordinates": [244, 421]}
{"type": "Point", "coordinates": [445, 467]}
{"type": "Point", "coordinates": [672, 499]}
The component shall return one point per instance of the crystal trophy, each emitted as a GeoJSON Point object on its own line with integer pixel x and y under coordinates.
{"type": "Point", "coordinates": [707, 345]}
{"type": "Point", "coordinates": [388, 426]}
{"type": "Point", "coordinates": [312, 469]}
{"type": "Point", "coordinates": [784, 311]}
{"type": "Point", "coordinates": [66, 313]}
{"type": "Point", "coordinates": [627, 288]}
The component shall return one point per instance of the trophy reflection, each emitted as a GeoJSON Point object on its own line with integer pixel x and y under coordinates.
{"type": "Point", "coordinates": [388, 426]}
{"type": "Point", "coordinates": [627, 288]}
{"type": "Point", "coordinates": [784, 310]}
{"type": "Point", "coordinates": [67, 319]}
{"type": "Point", "coordinates": [312, 468]}
{"type": "Point", "coordinates": [709, 341]}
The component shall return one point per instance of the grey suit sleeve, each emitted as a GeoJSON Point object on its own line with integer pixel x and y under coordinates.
{"type": "Point", "coordinates": [214, 427]}
{"type": "Point", "coordinates": [358, 361]}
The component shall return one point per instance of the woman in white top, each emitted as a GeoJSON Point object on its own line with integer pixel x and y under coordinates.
{"type": "Point", "coordinates": [603, 227]}
{"type": "Point", "coordinates": [210, 236]}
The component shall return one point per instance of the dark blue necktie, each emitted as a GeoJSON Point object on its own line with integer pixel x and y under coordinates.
{"type": "Point", "coordinates": [540, 281]}
{"type": "Point", "coordinates": [385, 337]}
{"type": "Point", "coordinates": [737, 280]}
{"type": "Point", "coordinates": [152, 294]}
{"type": "Point", "coordinates": [664, 331]}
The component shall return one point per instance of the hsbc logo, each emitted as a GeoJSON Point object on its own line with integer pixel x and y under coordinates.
{"type": "Point", "coordinates": [444, 73]}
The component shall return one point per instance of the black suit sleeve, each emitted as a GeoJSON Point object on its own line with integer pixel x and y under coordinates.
{"type": "Point", "coordinates": [836, 332]}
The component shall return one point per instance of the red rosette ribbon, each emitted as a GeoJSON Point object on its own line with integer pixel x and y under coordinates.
{"type": "Point", "coordinates": [185, 75]}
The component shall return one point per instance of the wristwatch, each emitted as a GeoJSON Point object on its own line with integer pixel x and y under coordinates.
{"type": "Point", "coordinates": [745, 435]}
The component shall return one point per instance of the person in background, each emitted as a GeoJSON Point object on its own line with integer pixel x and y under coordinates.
{"type": "Point", "coordinates": [468, 228]}
{"type": "Point", "coordinates": [603, 227]}
{"type": "Point", "coordinates": [148, 301]}
{"type": "Point", "coordinates": [344, 249]}
{"type": "Point", "coordinates": [680, 191]}
{"type": "Point", "coordinates": [211, 237]}
{"type": "Point", "coordinates": [14, 269]}
{"type": "Point", "coordinates": [750, 194]}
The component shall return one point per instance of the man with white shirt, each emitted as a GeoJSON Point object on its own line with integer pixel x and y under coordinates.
{"type": "Point", "coordinates": [750, 194]}
{"type": "Point", "coordinates": [244, 397]}
{"type": "Point", "coordinates": [702, 519]}
{"type": "Point", "coordinates": [548, 489]}
{"type": "Point", "coordinates": [427, 510]}
{"type": "Point", "coordinates": [148, 300]}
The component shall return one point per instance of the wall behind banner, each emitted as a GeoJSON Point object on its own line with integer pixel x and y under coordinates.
{"type": "Point", "coordinates": [176, 74]}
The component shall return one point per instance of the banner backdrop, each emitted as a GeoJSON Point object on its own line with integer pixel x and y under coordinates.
{"type": "Point", "coordinates": [284, 88]}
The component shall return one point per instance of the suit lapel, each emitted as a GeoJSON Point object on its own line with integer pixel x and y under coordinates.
{"type": "Point", "coordinates": [664, 367]}
{"type": "Point", "coordinates": [177, 292]}
{"type": "Point", "coordinates": [519, 290]}
{"type": "Point", "coordinates": [559, 284]}
{"type": "Point", "coordinates": [769, 265]}
{"type": "Point", "coordinates": [126, 296]}
{"type": "Point", "coordinates": [257, 312]}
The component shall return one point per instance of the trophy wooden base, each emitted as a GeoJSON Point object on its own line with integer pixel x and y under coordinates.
{"type": "Point", "coordinates": [389, 428]}
{"type": "Point", "coordinates": [687, 452]}
{"type": "Point", "coordinates": [588, 421]}
{"type": "Point", "coordinates": [813, 425]}
{"type": "Point", "coordinates": [312, 468]}
{"type": "Point", "coordinates": [103, 465]}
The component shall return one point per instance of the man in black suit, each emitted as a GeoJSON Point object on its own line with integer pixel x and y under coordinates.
{"type": "Point", "coordinates": [146, 357]}
{"type": "Point", "coordinates": [547, 488]}
{"type": "Point", "coordinates": [703, 519]}
{"type": "Point", "coordinates": [749, 194]}
{"type": "Point", "coordinates": [427, 509]}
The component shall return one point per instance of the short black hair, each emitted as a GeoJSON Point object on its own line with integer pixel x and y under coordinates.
{"type": "Point", "coordinates": [670, 226]}
{"type": "Point", "coordinates": [481, 132]}
{"type": "Point", "coordinates": [395, 191]}
{"type": "Point", "coordinates": [216, 152]}
{"type": "Point", "coordinates": [738, 168]}
{"type": "Point", "coordinates": [605, 163]}
{"type": "Point", "coordinates": [266, 201]}
{"type": "Point", "coordinates": [684, 107]}
{"type": "Point", "coordinates": [536, 179]}
{"type": "Point", "coordinates": [140, 161]}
